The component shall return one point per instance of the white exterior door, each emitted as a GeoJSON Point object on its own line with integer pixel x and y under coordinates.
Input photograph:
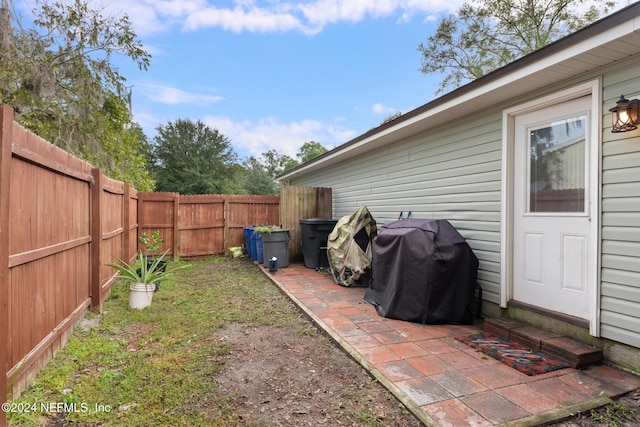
{"type": "Point", "coordinates": [553, 254]}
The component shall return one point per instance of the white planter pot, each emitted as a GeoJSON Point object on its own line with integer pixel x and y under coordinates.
{"type": "Point", "coordinates": [140, 295]}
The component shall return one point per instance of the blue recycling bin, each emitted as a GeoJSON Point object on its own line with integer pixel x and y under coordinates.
{"type": "Point", "coordinates": [247, 240]}
{"type": "Point", "coordinates": [259, 246]}
{"type": "Point", "coordinates": [253, 252]}
{"type": "Point", "coordinates": [256, 245]}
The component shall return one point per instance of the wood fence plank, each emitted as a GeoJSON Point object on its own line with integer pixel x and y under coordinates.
{"type": "Point", "coordinates": [228, 226]}
{"type": "Point", "coordinates": [132, 249]}
{"type": "Point", "coordinates": [112, 213]}
{"type": "Point", "coordinates": [126, 222]}
{"type": "Point", "coordinates": [6, 138]}
{"type": "Point", "coordinates": [175, 246]}
{"type": "Point", "coordinates": [96, 239]}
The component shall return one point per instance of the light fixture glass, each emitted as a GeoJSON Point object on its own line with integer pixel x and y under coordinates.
{"type": "Point", "coordinates": [625, 115]}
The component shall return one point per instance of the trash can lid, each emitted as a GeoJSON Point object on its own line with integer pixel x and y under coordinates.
{"type": "Point", "coordinates": [318, 221]}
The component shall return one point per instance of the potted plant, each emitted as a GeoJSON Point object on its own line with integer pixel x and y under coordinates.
{"type": "Point", "coordinates": [153, 245]}
{"type": "Point", "coordinates": [143, 277]}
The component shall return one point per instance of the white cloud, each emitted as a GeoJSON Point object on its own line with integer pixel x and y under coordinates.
{"type": "Point", "coordinates": [144, 16]}
{"type": "Point", "coordinates": [241, 19]}
{"type": "Point", "coordinates": [264, 16]}
{"type": "Point", "coordinates": [252, 138]}
{"type": "Point", "coordinates": [322, 12]}
{"type": "Point", "coordinates": [309, 17]}
{"type": "Point", "coordinates": [171, 95]}
{"type": "Point", "coordinates": [176, 8]}
{"type": "Point", "coordinates": [380, 108]}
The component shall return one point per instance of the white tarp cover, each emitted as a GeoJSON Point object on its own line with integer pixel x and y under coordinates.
{"type": "Point", "coordinates": [349, 248]}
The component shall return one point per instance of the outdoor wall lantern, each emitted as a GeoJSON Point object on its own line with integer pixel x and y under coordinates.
{"type": "Point", "coordinates": [625, 115]}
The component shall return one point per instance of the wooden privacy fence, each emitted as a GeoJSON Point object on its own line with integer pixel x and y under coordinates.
{"type": "Point", "coordinates": [61, 220]}
{"type": "Point", "coordinates": [204, 225]}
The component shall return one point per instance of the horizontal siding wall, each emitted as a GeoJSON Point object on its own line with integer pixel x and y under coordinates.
{"type": "Point", "coordinates": [620, 274]}
{"type": "Point", "coordinates": [453, 175]}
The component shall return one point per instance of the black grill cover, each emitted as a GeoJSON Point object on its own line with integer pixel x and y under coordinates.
{"type": "Point", "coordinates": [423, 271]}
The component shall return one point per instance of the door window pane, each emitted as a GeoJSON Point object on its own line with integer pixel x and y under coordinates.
{"type": "Point", "coordinates": [557, 166]}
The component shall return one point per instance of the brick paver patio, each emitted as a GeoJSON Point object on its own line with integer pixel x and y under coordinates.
{"type": "Point", "coordinates": [442, 381]}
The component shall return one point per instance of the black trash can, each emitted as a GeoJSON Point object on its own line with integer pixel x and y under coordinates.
{"type": "Point", "coordinates": [315, 233]}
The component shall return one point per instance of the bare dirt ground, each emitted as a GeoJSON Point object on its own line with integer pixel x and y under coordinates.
{"type": "Point", "coordinates": [278, 377]}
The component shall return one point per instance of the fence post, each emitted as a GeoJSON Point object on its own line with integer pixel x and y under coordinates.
{"type": "Point", "coordinates": [176, 226]}
{"type": "Point", "coordinates": [126, 222]}
{"type": "Point", "coordinates": [225, 221]}
{"type": "Point", "coordinates": [6, 138]}
{"type": "Point", "coordinates": [96, 239]}
{"type": "Point", "coordinates": [139, 219]}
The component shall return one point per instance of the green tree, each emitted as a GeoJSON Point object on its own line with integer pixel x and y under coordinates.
{"type": "Point", "coordinates": [122, 151]}
{"type": "Point", "coordinates": [262, 172]}
{"type": "Point", "coordinates": [310, 150]}
{"type": "Point", "coordinates": [191, 158]}
{"type": "Point", "coordinates": [59, 79]}
{"type": "Point", "coordinates": [485, 35]}
{"type": "Point", "coordinates": [239, 173]}
{"type": "Point", "coordinates": [276, 162]}
{"type": "Point", "coordinates": [258, 180]}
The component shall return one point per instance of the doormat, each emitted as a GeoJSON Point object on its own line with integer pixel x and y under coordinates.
{"type": "Point", "coordinates": [512, 354]}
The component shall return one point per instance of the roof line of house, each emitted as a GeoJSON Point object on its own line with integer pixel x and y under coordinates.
{"type": "Point", "coordinates": [629, 13]}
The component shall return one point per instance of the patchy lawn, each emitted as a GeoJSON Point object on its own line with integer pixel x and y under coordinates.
{"type": "Point", "coordinates": [220, 345]}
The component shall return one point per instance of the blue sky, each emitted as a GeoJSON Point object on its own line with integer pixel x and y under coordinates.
{"type": "Point", "coordinates": [270, 77]}
{"type": "Point", "coordinates": [274, 74]}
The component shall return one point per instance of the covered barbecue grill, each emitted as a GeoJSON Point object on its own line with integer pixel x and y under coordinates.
{"type": "Point", "coordinates": [423, 271]}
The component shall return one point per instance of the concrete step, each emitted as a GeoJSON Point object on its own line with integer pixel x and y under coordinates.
{"type": "Point", "coordinates": [575, 353]}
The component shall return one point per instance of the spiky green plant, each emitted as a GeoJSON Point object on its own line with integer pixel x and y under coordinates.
{"type": "Point", "coordinates": [142, 271]}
